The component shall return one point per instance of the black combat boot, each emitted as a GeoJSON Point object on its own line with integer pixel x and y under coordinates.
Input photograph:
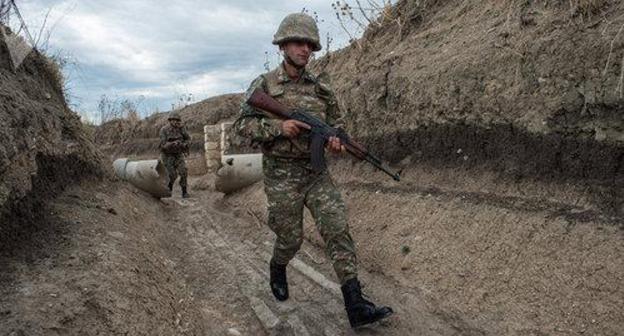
{"type": "Point", "coordinates": [360, 310]}
{"type": "Point", "coordinates": [279, 285]}
{"type": "Point", "coordinates": [184, 193]}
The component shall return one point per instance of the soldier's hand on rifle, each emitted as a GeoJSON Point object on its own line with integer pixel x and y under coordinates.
{"type": "Point", "coordinates": [334, 145]}
{"type": "Point", "coordinates": [291, 128]}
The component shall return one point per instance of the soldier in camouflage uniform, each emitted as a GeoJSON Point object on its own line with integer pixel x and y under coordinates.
{"type": "Point", "coordinates": [289, 180]}
{"type": "Point", "coordinates": [174, 144]}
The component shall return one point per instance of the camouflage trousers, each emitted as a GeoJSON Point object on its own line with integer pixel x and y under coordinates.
{"type": "Point", "coordinates": [290, 184]}
{"type": "Point", "coordinates": [174, 163]}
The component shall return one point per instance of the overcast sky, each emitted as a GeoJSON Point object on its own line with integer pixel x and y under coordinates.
{"type": "Point", "coordinates": [164, 49]}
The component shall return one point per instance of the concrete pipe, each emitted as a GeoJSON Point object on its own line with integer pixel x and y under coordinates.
{"type": "Point", "coordinates": [238, 171]}
{"type": "Point", "coordinates": [147, 175]}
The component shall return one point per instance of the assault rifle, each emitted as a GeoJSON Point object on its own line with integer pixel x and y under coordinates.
{"type": "Point", "coordinates": [320, 133]}
{"type": "Point", "coordinates": [176, 145]}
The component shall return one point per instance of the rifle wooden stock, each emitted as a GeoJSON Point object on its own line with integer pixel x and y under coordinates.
{"type": "Point", "coordinates": [263, 101]}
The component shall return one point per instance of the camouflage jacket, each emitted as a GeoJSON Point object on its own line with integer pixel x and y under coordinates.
{"type": "Point", "coordinates": [168, 137]}
{"type": "Point", "coordinates": [310, 92]}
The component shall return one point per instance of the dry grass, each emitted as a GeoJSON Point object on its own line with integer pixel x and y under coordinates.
{"type": "Point", "coordinates": [89, 128]}
{"type": "Point", "coordinates": [54, 68]}
{"type": "Point", "coordinates": [4, 10]}
{"type": "Point", "coordinates": [586, 7]}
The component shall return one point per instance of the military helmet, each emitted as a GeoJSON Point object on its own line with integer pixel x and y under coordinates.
{"type": "Point", "coordinates": [174, 116]}
{"type": "Point", "coordinates": [298, 26]}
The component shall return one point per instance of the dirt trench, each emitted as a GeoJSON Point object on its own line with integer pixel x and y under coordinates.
{"type": "Point", "coordinates": [110, 260]}
{"type": "Point", "coordinates": [454, 252]}
{"type": "Point", "coordinates": [94, 265]}
{"type": "Point", "coordinates": [491, 255]}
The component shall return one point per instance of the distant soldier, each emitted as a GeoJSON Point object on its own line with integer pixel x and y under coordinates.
{"type": "Point", "coordinates": [290, 183]}
{"type": "Point", "coordinates": [174, 144]}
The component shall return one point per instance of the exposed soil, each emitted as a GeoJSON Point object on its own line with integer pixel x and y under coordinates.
{"type": "Point", "coordinates": [454, 252]}
{"type": "Point", "coordinates": [44, 147]}
{"type": "Point", "coordinates": [95, 266]}
{"type": "Point", "coordinates": [528, 89]}
{"type": "Point", "coordinates": [114, 261]}
{"type": "Point", "coordinates": [494, 255]}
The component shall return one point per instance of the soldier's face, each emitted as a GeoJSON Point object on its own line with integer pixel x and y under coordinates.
{"type": "Point", "coordinates": [299, 52]}
{"type": "Point", "coordinates": [175, 122]}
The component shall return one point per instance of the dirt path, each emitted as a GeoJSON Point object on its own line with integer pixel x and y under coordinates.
{"type": "Point", "coordinates": [110, 260]}
{"type": "Point", "coordinates": [228, 274]}
{"type": "Point", "coordinates": [453, 254]}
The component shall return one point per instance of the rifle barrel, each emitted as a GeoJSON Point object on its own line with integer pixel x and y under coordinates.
{"type": "Point", "coordinates": [260, 99]}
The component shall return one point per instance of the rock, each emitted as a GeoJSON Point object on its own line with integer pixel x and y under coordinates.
{"type": "Point", "coordinates": [233, 332]}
